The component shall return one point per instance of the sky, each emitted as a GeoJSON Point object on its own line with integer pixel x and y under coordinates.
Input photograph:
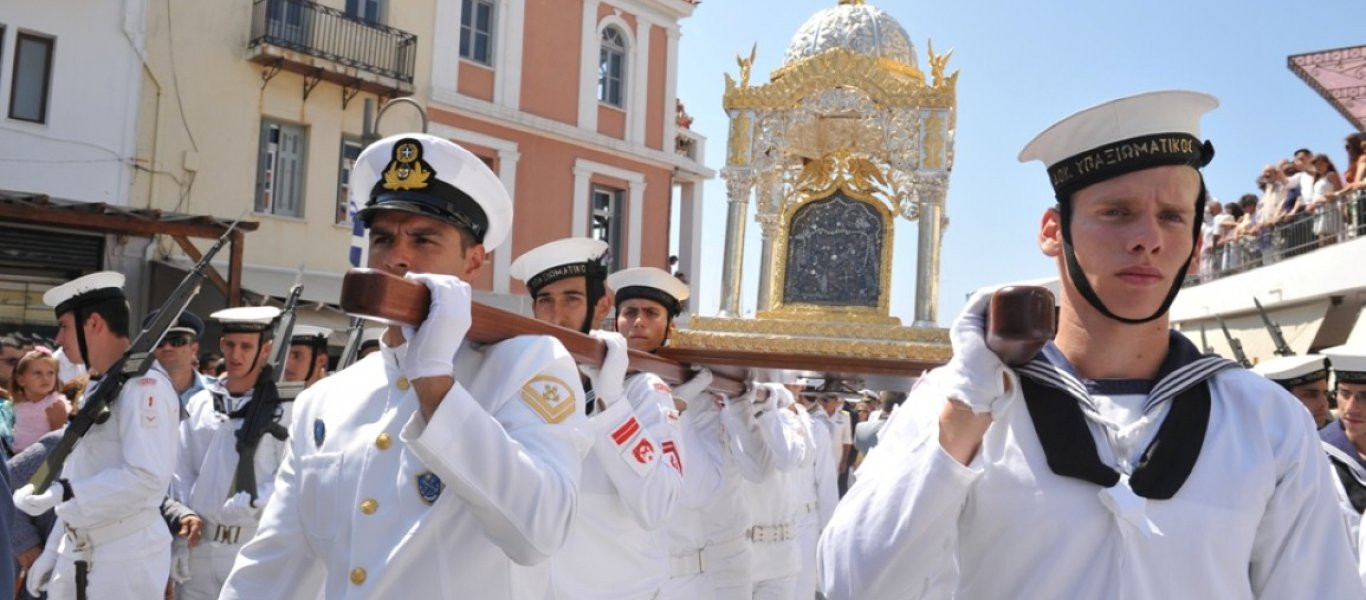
{"type": "Point", "coordinates": [1023, 66]}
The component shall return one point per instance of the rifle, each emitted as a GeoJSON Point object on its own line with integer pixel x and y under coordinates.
{"type": "Point", "coordinates": [1234, 345]}
{"type": "Point", "coordinates": [134, 363]}
{"type": "Point", "coordinates": [1282, 348]}
{"type": "Point", "coordinates": [266, 406]}
{"type": "Point", "coordinates": [1204, 341]}
{"type": "Point", "coordinates": [354, 333]}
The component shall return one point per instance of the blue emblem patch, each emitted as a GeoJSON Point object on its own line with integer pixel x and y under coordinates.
{"type": "Point", "coordinates": [319, 432]}
{"type": "Point", "coordinates": [429, 487]}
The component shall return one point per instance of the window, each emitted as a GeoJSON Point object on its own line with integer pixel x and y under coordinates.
{"type": "Point", "coordinates": [280, 172]}
{"type": "Point", "coordinates": [607, 220]}
{"type": "Point", "coordinates": [350, 151]}
{"type": "Point", "coordinates": [476, 31]}
{"type": "Point", "coordinates": [366, 10]}
{"type": "Point", "coordinates": [32, 78]}
{"type": "Point", "coordinates": [611, 66]}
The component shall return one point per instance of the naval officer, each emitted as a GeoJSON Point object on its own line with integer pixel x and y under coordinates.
{"type": "Point", "coordinates": [434, 468]}
{"type": "Point", "coordinates": [1118, 463]}
{"type": "Point", "coordinates": [110, 538]}
{"type": "Point", "coordinates": [1306, 378]}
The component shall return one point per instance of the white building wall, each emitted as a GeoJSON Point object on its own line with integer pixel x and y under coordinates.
{"type": "Point", "coordinates": [85, 149]}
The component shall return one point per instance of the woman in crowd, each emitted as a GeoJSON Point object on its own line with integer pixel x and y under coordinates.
{"type": "Point", "coordinates": [1323, 201]}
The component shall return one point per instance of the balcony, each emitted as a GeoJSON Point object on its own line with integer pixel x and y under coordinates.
{"type": "Point", "coordinates": [323, 43]}
{"type": "Point", "coordinates": [690, 145]}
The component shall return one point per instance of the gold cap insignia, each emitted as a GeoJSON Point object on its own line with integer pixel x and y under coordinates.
{"type": "Point", "coordinates": [407, 170]}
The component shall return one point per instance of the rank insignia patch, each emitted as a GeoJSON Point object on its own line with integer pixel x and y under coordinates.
{"type": "Point", "coordinates": [429, 487]}
{"type": "Point", "coordinates": [550, 397]}
{"type": "Point", "coordinates": [319, 433]}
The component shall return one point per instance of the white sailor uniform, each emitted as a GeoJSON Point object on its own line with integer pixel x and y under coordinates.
{"type": "Point", "coordinates": [119, 473]}
{"type": "Point", "coordinates": [203, 479]}
{"type": "Point", "coordinates": [1256, 518]}
{"type": "Point", "coordinates": [632, 482]}
{"type": "Point", "coordinates": [373, 501]}
{"type": "Point", "coordinates": [775, 444]}
{"type": "Point", "coordinates": [690, 560]}
{"type": "Point", "coordinates": [816, 493]}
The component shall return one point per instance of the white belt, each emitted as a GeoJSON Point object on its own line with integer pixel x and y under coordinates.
{"type": "Point", "coordinates": [782, 532]}
{"type": "Point", "coordinates": [228, 535]}
{"type": "Point", "coordinates": [687, 565]}
{"type": "Point", "coordinates": [85, 538]}
{"type": "Point", "coordinates": [728, 548]}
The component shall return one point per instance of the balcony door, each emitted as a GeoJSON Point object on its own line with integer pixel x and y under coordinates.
{"type": "Point", "coordinates": [287, 22]}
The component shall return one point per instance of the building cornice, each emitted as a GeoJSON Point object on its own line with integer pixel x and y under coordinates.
{"type": "Point", "coordinates": [448, 99]}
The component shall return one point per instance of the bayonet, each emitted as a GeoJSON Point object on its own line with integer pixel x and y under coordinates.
{"type": "Point", "coordinates": [1234, 345]}
{"type": "Point", "coordinates": [1282, 348]}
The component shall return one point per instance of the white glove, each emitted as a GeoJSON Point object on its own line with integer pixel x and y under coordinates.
{"type": "Point", "coordinates": [432, 345]}
{"type": "Point", "coordinates": [41, 572]}
{"type": "Point", "coordinates": [180, 561]}
{"type": "Point", "coordinates": [37, 504]}
{"type": "Point", "coordinates": [611, 377]}
{"type": "Point", "coordinates": [975, 375]}
{"type": "Point", "coordinates": [689, 390]}
{"type": "Point", "coordinates": [238, 508]}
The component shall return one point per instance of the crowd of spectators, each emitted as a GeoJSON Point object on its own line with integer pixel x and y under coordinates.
{"type": "Point", "coordinates": [1304, 203]}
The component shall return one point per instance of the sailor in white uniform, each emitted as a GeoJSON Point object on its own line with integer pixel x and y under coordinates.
{"type": "Point", "coordinates": [435, 468]}
{"type": "Point", "coordinates": [816, 493]}
{"type": "Point", "coordinates": [108, 495]}
{"type": "Point", "coordinates": [207, 462]}
{"type": "Point", "coordinates": [632, 479]}
{"type": "Point", "coordinates": [307, 358]}
{"type": "Point", "coordinates": [1119, 462]}
{"type": "Point", "coordinates": [1344, 438]}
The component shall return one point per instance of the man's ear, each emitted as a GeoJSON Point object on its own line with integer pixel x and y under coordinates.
{"type": "Point", "coordinates": [474, 260]}
{"type": "Point", "coordinates": [602, 308]}
{"type": "Point", "coordinates": [1050, 233]}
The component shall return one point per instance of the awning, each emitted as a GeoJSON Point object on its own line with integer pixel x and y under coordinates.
{"type": "Point", "coordinates": [1339, 76]}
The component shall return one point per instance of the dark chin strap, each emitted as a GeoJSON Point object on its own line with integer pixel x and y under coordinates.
{"type": "Point", "coordinates": [78, 317]}
{"type": "Point", "coordinates": [595, 293]}
{"type": "Point", "coordinates": [1078, 276]}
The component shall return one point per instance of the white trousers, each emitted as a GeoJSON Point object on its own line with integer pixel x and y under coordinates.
{"type": "Point", "coordinates": [210, 564]}
{"type": "Point", "coordinates": [808, 534]}
{"type": "Point", "coordinates": [778, 588]}
{"type": "Point", "coordinates": [136, 578]}
{"type": "Point", "coordinates": [730, 572]}
{"type": "Point", "coordinates": [692, 587]}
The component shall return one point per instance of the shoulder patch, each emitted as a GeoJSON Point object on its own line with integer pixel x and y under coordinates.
{"type": "Point", "coordinates": [550, 397]}
{"type": "Point", "coordinates": [671, 451]}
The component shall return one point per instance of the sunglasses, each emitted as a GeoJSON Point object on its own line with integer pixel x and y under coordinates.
{"type": "Point", "coordinates": [175, 342]}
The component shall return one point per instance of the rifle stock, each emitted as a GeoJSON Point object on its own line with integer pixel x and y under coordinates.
{"type": "Point", "coordinates": [1020, 321]}
{"type": "Point", "coordinates": [134, 363]}
{"type": "Point", "coordinates": [1234, 345]}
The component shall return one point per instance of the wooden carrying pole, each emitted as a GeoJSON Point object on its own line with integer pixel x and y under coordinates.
{"type": "Point", "coordinates": [379, 296]}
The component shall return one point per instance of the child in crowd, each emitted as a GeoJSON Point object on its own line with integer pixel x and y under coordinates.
{"type": "Point", "coordinates": [39, 406]}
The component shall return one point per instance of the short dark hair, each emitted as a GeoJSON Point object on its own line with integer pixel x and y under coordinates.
{"type": "Point", "coordinates": [1303, 151]}
{"type": "Point", "coordinates": [890, 399]}
{"type": "Point", "coordinates": [1248, 199]}
{"type": "Point", "coordinates": [114, 311]}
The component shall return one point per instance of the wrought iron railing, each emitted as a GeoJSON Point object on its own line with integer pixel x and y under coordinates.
{"type": "Point", "coordinates": [331, 34]}
{"type": "Point", "coordinates": [1337, 221]}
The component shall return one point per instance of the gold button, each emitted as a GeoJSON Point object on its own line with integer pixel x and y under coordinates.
{"type": "Point", "coordinates": [402, 383]}
{"type": "Point", "coordinates": [382, 442]}
{"type": "Point", "coordinates": [357, 575]}
{"type": "Point", "coordinates": [369, 506]}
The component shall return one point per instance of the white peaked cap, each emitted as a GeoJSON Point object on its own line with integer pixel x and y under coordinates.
{"type": "Point", "coordinates": [432, 176]}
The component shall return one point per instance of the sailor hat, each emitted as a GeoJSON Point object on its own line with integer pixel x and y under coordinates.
{"type": "Point", "coordinates": [1348, 362]}
{"type": "Point", "coordinates": [561, 259]}
{"type": "Point", "coordinates": [246, 319]}
{"type": "Point", "coordinates": [187, 323]}
{"type": "Point", "coordinates": [1121, 136]}
{"type": "Point", "coordinates": [310, 334]}
{"type": "Point", "coordinates": [650, 283]}
{"type": "Point", "coordinates": [1291, 371]}
{"type": "Point", "coordinates": [435, 177]}
{"type": "Point", "coordinates": [84, 291]}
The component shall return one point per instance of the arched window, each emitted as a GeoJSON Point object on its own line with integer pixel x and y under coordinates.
{"type": "Point", "coordinates": [612, 67]}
